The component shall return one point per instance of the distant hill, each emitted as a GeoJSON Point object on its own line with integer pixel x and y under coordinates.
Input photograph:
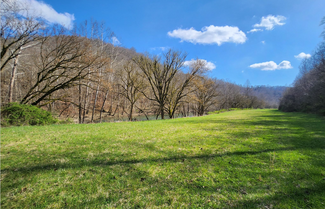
{"type": "Point", "coordinates": [270, 94]}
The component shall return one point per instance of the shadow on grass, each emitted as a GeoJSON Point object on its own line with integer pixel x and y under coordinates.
{"type": "Point", "coordinates": [273, 118]}
{"type": "Point", "coordinates": [84, 162]}
{"type": "Point", "coordinates": [282, 132]}
{"type": "Point", "coordinates": [303, 197]}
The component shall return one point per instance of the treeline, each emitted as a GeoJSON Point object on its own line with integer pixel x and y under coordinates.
{"type": "Point", "coordinates": [81, 74]}
{"type": "Point", "coordinates": [270, 94]}
{"type": "Point", "coordinates": [308, 91]}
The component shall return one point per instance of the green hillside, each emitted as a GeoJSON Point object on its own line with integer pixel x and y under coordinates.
{"type": "Point", "coordinates": [243, 159]}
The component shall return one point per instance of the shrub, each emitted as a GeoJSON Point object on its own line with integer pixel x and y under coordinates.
{"type": "Point", "coordinates": [21, 114]}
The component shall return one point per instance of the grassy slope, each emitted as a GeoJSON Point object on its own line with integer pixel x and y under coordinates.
{"type": "Point", "coordinates": [251, 158]}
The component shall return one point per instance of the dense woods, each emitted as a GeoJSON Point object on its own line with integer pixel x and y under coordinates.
{"type": "Point", "coordinates": [81, 74]}
{"type": "Point", "coordinates": [308, 91]}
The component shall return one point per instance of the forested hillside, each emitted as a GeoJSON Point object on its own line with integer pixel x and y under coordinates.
{"type": "Point", "coordinates": [270, 94]}
{"type": "Point", "coordinates": [83, 74]}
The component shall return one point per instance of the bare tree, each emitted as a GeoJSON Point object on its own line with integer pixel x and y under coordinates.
{"type": "Point", "coordinates": [159, 74]}
{"type": "Point", "coordinates": [205, 94]}
{"type": "Point", "coordinates": [102, 34]}
{"type": "Point", "coordinates": [62, 60]}
{"type": "Point", "coordinates": [181, 83]}
{"type": "Point", "coordinates": [17, 33]}
{"type": "Point", "coordinates": [132, 84]}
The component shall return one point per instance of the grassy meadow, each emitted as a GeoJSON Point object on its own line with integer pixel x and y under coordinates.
{"type": "Point", "coordinates": [238, 159]}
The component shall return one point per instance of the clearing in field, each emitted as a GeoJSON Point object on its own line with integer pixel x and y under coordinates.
{"type": "Point", "coordinates": [244, 159]}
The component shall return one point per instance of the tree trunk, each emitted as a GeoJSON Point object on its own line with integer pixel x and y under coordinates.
{"type": "Point", "coordinates": [13, 75]}
{"type": "Point", "coordinates": [102, 109]}
{"type": "Point", "coordinates": [96, 96]}
{"type": "Point", "coordinates": [162, 112]}
{"type": "Point", "coordinates": [145, 115]}
{"type": "Point", "coordinates": [86, 98]}
{"type": "Point", "coordinates": [131, 111]}
{"type": "Point", "coordinates": [89, 100]}
{"type": "Point", "coordinates": [188, 109]}
{"type": "Point", "coordinates": [110, 110]}
{"type": "Point", "coordinates": [94, 107]}
{"type": "Point", "coordinates": [200, 110]}
{"type": "Point", "coordinates": [118, 102]}
{"type": "Point", "coordinates": [115, 110]}
{"type": "Point", "coordinates": [80, 108]}
{"type": "Point", "coordinates": [85, 103]}
{"type": "Point", "coordinates": [111, 107]}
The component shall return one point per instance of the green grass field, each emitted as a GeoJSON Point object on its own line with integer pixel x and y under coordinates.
{"type": "Point", "coordinates": [238, 159]}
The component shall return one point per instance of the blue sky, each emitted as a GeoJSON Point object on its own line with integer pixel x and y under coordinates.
{"type": "Point", "coordinates": [216, 31]}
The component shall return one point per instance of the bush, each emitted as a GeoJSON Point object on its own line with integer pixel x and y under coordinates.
{"type": "Point", "coordinates": [20, 114]}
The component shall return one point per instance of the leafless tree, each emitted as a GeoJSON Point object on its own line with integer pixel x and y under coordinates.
{"type": "Point", "coordinates": [17, 33]}
{"type": "Point", "coordinates": [160, 74]}
{"type": "Point", "coordinates": [132, 84]}
{"type": "Point", "coordinates": [205, 93]}
{"type": "Point", "coordinates": [179, 88]}
{"type": "Point", "coordinates": [61, 61]}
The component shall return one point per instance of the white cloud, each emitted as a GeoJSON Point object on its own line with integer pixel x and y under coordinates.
{"type": "Point", "coordinates": [46, 12]}
{"type": "Point", "coordinates": [284, 65]}
{"type": "Point", "coordinates": [265, 65]}
{"type": "Point", "coordinates": [254, 30]}
{"type": "Point", "coordinates": [210, 35]}
{"type": "Point", "coordinates": [162, 48]}
{"type": "Point", "coordinates": [272, 65]}
{"type": "Point", "coordinates": [208, 65]}
{"type": "Point", "coordinates": [263, 42]}
{"type": "Point", "coordinates": [115, 41]}
{"type": "Point", "coordinates": [270, 21]}
{"type": "Point", "coordinates": [302, 55]}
